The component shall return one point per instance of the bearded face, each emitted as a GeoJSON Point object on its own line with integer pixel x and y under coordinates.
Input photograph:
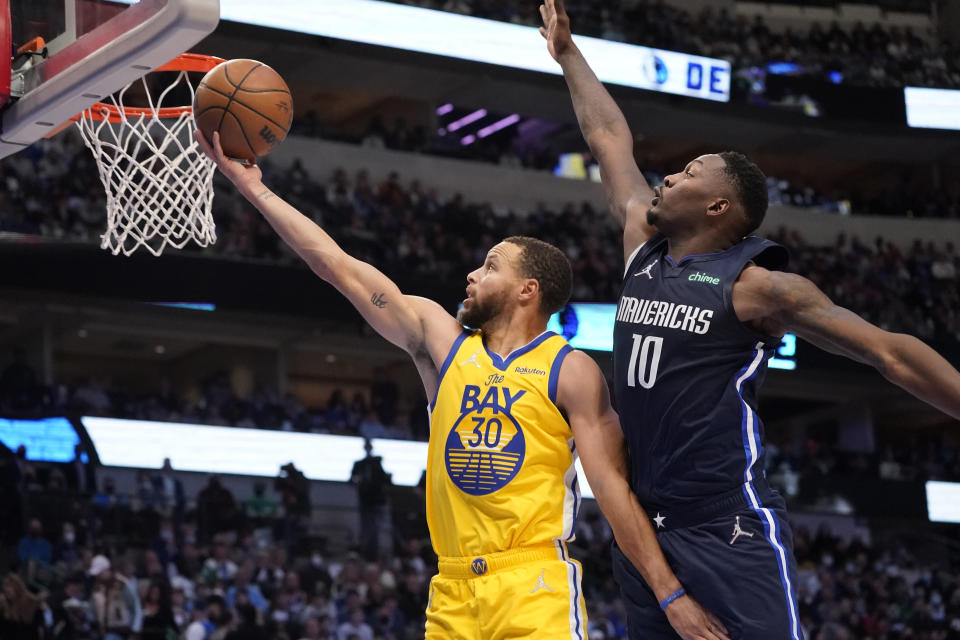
{"type": "Point", "coordinates": [477, 311]}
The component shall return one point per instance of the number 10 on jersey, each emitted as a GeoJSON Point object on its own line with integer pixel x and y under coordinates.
{"type": "Point", "coordinates": [644, 361]}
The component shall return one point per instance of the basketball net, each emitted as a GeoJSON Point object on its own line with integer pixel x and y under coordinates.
{"type": "Point", "coordinates": [159, 184]}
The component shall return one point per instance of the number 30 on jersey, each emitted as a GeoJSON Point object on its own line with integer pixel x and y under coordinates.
{"type": "Point", "coordinates": [644, 361]}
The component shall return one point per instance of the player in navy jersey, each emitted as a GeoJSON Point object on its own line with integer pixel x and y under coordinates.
{"type": "Point", "coordinates": [703, 306]}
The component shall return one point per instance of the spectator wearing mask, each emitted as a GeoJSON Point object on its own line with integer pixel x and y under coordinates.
{"type": "Point", "coordinates": [68, 551]}
{"type": "Point", "coordinates": [116, 605]}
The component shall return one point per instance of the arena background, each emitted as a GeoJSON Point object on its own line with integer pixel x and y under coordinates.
{"type": "Point", "coordinates": [235, 360]}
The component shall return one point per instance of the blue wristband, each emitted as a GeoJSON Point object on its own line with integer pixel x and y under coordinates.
{"type": "Point", "coordinates": [670, 598]}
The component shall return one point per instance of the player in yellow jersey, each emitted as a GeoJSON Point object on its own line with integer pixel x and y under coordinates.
{"type": "Point", "coordinates": [508, 400]}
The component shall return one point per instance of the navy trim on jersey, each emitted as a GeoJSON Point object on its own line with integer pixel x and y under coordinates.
{"type": "Point", "coordinates": [502, 364]}
{"type": "Point", "coordinates": [574, 489]}
{"type": "Point", "coordinates": [699, 255]}
{"type": "Point", "coordinates": [576, 599]}
{"type": "Point", "coordinates": [776, 265]}
{"type": "Point", "coordinates": [446, 363]}
{"type": "Point", "coordinates": [555, 372]}
{"type": "Point", "coordinates": [752, 448]}
{"type": "Point", "coordinates": [576, 587]}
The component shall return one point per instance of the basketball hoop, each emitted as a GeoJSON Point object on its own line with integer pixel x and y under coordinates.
{"type": "Point", "coordinates": [159, 183]}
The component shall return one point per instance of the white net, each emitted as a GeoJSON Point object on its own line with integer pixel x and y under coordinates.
{"type": "Point", "coordinates": [159, 183]}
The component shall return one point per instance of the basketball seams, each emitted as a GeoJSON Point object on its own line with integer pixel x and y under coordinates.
{"type": "Point", "coordinates": [239, 86]}
{"type": "Point", "coordinates": [266, 116]}
{"type": "Point", "coordinates": [227, 95]}
{"type": "Point", "coordinates": [284, 128]}
{"type": "Point", "coordinates": [243, 132]}
{"type": "Point", "coordinates": [213, 108]}
{"type": "Point", "coordinates": [226, 76]}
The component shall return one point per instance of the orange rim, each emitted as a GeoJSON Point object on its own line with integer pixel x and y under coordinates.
{"type": "Point", "coordinates": [184, 62]}
{"type": "Point", "coordinates": [191, 62]}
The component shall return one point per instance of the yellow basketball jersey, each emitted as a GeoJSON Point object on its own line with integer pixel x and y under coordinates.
{"type": "Point", "coordinates": [501, 469]}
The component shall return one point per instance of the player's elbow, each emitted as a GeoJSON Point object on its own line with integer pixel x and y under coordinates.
{"type": "Point", "coordinates": [890, 358]}
{"type": "Point", "coordinates": [329, 266]}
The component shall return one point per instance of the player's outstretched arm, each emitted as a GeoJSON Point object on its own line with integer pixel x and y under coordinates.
{"type": "Point", "coordinates": [406, 321]}
{"type": "Point", "coordinates": [582, 393]}
{"type": "Point", "coordinates": [604, 128]}
{"type": "Point", "coordinates": [779, 302]}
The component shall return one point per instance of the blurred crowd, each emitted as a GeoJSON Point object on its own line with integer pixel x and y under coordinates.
{"type": "Point", "coordinates": [873, 56]}
{"type": "Point", "coordinates": [797, 467]}
{"type": "Point", "coordinates": [406, 228]}
{"type": "Point", "coordinates": [816, 474]}
{"type": "Point", "coordinates": [98, 559]}
{"type": "Point", "coordinates": [143, 560]}
{"type": "Point", "coordinates": [915, 291]}
{"type": "Point", "coordinates": [379, 413]}
{"type": "Point", "coordinates": [850, 590]}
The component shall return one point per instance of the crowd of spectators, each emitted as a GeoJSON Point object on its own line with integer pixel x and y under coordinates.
{"type": "Point", "coordinates": [379, 413]}
{"type": "Point", "coordinates": [144, 560]}
{"type": "Point", "coordinates": [407, 228]}
{"type": "Point", "coordinates": [871, 56]}
{"type": "Point", "coordinates": [847, 589]}
{"type": "Point", "coordinates": [915, 291]}
{"type": "Point", "coordinates": [814, 474]}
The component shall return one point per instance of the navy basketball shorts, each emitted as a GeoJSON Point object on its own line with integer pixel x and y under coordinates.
{"type": "Point", "coordinates": [738, 564]}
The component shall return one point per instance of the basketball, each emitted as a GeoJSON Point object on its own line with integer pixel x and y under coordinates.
{"type": "Point", "coordinates": [248, 103]}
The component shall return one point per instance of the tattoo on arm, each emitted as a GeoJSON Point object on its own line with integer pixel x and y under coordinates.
{"type": "Point", "coordinates": [265, 194]}
{"type": "Point", "coordinates": [378, 300]}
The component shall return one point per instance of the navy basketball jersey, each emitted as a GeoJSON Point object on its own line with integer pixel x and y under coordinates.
{"type": "Point", "coordinates": [687, 372]}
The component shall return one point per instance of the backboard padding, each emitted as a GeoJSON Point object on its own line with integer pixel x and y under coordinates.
{"type": "Point", "coordinates": [142, 37]}
{"type": "Point", "coordinates": [6, 43]}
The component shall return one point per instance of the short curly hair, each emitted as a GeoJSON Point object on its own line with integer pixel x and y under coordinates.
{"type": "Point", "coordinates": [550, 267]}
{"type": "Point", "coordinates": [750, 183]}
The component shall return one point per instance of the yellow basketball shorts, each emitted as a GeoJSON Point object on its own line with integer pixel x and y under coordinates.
{"type": "Point", "coordinates": [532, 592]}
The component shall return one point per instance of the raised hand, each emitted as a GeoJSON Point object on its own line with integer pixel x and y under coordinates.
{"type": "Point", "coordinates": [236, 172]}
{"type": "Point", "coordinates": [556, 28]}
{"type": "Point", "coordinates": [693, 622]}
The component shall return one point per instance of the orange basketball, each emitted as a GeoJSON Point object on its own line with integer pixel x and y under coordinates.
{"type": "Point", "coordinates": [248, 103]}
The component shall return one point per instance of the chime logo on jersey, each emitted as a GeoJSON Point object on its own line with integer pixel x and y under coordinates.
{"type": "Point", "coordinates": [485, 448]}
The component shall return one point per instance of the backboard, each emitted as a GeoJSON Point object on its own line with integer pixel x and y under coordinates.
{"type": "Point", "coordinates": [91, 48]}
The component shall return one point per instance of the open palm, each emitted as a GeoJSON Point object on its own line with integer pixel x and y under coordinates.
{"type": "Point", "coordinates": [237, 172]}
{"type": "Point", "coordinates": [556, 28]}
